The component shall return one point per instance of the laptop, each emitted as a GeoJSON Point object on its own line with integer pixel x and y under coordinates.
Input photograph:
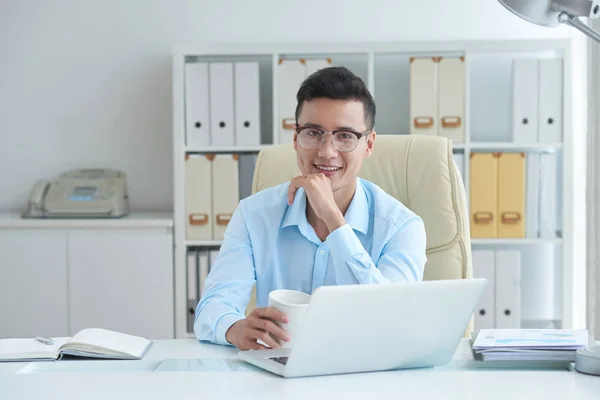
{"type": "Point", "coordinates": [378, 327]}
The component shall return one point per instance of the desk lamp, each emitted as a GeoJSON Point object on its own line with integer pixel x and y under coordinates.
{"type": "Point", "coordinates": [551, 13]}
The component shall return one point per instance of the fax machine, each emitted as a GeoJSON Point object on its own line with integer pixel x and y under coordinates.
{"type": "Point", "coordinates": [84, 193]}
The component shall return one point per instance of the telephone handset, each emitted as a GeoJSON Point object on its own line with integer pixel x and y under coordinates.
{"type": "Point", "coordinates": [84, 193]}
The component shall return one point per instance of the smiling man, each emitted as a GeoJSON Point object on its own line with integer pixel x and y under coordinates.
{"type": "Point", "coordinates": [325, 227]}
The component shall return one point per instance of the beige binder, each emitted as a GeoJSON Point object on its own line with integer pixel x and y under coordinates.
{"type": "Point", "coordinates": [197, 197]}
{"type": "Point", "coordinates": [225, 191]}
{"type": "Point", "coordinates": [290, 75]}
{"type": "Point", "coordinates": [451, 98]}
{"type": "Point", "coordinates": [511, 195]}
{"type": "Point", "coordinates": [484, 195]}
{"type": "Point", "coordinates": [423, 96]}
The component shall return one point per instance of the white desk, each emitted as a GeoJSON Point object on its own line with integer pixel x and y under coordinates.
{"type": "Point", "coordinates": [454, 381]}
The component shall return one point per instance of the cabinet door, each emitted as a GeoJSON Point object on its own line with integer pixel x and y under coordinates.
{"type": "Point", "coordinates": [122, 280]}
{"type": "Point", "coordinates": [33, 283]}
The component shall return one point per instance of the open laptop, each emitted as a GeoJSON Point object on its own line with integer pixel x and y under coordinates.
{"type": "Point", "coordinates": [363, 328]}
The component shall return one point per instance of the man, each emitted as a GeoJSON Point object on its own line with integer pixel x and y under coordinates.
{"type": "Point", "coordinates": [325, 227]}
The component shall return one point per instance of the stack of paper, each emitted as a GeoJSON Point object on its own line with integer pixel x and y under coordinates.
{"type": "Point", "coordinates": [529, 344]}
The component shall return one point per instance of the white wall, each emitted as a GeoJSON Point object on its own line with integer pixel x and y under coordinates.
{"type": "Point", "coordinates": [88, 84]}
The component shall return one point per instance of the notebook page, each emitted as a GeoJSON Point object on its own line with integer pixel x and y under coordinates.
{"type": "Point", "coordinates": [111, 340]}
{"type": "Point", "coordinates": [29, 348]}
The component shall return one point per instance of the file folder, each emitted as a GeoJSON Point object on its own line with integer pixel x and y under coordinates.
{"type": "Point", "coordinates": [511, 195]}
{"type": "Point", "coordinates": [247, 104]}
{"type": "Point", "coordinates": [313, 66]}
{"type": "Point", "coordinates": [451, 98]}
{"type": "Point", "coordinates": [525, 100]}
{"type": "Point", "coordinates": [203, 269]}
{"type": "Point", "coordinates": [533, 195]}
{"type": "Point", "coordinates": [247, 162]}
{"type": "Point", "coordinates": [222, 128]}
{"type": "Point", "coordinates": [225, 191]}
{"type": "Point", "coordinates": [508, 289]}
{"type": "Point", "coordinates": [192, 288]}
{"type": "Point", "coordinates": [484, 195]}
{"type": "Point", "coordinates": [548, 195]}
{"type": "Point", "coordinates": [198, 201]}
{"type": "Point", "coordinates": [197, 122]}
{"type": "Point", "coordinates": [550, 100]}
{"type": "Point", "coordinates": [290, 75]}
{"type": "Point", "coordinates": [484, 266]}
{"type": "Point", "coordinates": [423, 96]}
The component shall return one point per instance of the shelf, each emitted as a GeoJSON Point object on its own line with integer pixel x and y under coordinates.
{"type": "Point", "coordinates": [512, 146]}
{"type": "Point", "coordinates": [227, 149]}
{"type": "Point", "coordinates": [516, 241]}
{"type": "Point", "coordinates": [203, 242]}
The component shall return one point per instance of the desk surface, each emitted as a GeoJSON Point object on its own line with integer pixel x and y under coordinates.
{"type": "Point", "coordinates": [13, 220]}
{"type": "Point", "coordinates": [458, 380]}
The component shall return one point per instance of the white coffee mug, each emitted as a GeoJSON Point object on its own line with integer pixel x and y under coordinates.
{"type": "Point", "coordinates": [293, 304]}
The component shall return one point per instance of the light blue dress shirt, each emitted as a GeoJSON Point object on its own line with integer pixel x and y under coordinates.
{"type": "Point", "coordinates": [270, 243]}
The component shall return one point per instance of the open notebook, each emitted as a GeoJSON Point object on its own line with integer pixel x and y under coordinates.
{"type": "Point", "coordinates": [95, 343]}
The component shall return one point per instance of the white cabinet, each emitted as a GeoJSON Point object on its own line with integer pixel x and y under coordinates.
{"type": "Point", "coordinates": [33, 283]}
{"type": "Point", "coordinates": [60, 276]}
{"type": "Point", "coordinates": [121, 280]}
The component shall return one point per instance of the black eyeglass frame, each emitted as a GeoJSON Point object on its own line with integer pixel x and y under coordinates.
{"type": "Point", "coordinates": [358, 135]}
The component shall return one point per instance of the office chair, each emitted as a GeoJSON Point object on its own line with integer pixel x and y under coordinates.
{"type": "Point", "coordinates": [417, 170]}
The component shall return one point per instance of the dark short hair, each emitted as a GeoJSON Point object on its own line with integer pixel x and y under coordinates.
{"type": "Point", "coordinates": [337, 83]}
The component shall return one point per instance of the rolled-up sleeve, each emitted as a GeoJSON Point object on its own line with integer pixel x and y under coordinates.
{"type": "Point", "coordinates": [403, 256]}
{"type": "Point", "coordinates": [229, 284]}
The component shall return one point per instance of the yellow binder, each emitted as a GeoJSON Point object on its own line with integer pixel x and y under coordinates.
{"type": "Point", "coordinates": [484, 195]}
{"type": "Point", "coordinates": [511, 195]}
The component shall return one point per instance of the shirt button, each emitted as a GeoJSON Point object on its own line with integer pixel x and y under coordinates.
{"type": "Point", "coordinates": [321, 252]}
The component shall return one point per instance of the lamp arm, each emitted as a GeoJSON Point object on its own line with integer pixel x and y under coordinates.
{"type": "Point", "coordinates": [576, 23]}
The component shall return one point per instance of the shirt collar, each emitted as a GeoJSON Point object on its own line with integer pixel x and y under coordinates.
{"type": "Point", "coordinates": [357, 215]}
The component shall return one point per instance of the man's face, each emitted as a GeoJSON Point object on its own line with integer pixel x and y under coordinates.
{"type": "Point", "coordinates": [329, 115]}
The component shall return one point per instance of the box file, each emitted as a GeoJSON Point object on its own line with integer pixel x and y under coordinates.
{"type": "Point", "coordinates": [550, 101]}
{"type": "Point", "coordinates": [451, 98]}
{"type": "Point", "coordinates": [508, 289]}
{"type": "Point", "coordinates": [225, 191]}
{"type": "Point", "coordinates": [197, 121]}
{"type": "Point", "coordinates": [525, 100]}
{"type": "Point", "coordinates": [484, 195]}
{"type": "Point", "coordinates": [423, 96]}
{"type": "Point", "coordinates": [203, 269]}
{"type": "Point", "coordinates": [221, 104]}
{"type": "Point", "coordinates": [290, 75]}
{"type": "Point", "coordinates": [198, 201]}
{"type": "Point", "coordinates": [484, 266]}
{"type": "Point", "coordinates": [532, 161]}
{"type": "Point", "coordinates": [247, 104]}
{"type": "Point", "coordinates": [540, 300]}
{"type": "Point", "coordinates": [511, 195]}
{"type": "Point", "coordinates": [313, 66]}
{"type": "Point", "coordinates": [192, 287]}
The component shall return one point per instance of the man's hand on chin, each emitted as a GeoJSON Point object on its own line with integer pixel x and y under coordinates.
{"type": "Point", "coordinates": [319, 194]}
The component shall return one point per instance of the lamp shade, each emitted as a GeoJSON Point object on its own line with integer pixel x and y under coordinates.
{"type": "Point", "coordinates": [538, 12]}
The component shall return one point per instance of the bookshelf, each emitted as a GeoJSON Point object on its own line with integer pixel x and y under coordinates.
{"type": "Point", "coordinates": [385, 67]}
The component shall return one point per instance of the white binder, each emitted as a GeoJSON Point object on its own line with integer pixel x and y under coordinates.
{"type": "Point", "coordinates": [198, 201]}
{"type": "Point", "coordinates": [247, 104]}
{"type": "Point", "coordinates": [192, 288]}
{"type": "Point", "coordinates": [548, 195]}
{"type": "Point", "coordinates": [225, 191]}
{"type": "Point", "coordinates": [550, 101]}
{"type": "Point", "coordinates": [423, 96]}
{"type": "Point", "coordinates": [221, 104]}
{"type": "Point", "coordinates": [540, 276]}
{"type": "Point", "coordinates": [525, 101]}
{"type": "Point", "coordinates": [197, 121]}
{"type": "Point", "coordinates": [451, 98]}
{"type": "Point", "coordinates": [290, 75]}
{"type": "Point", "coordinates": [532, 198]}
{"type": "Point", "coordinates": [484, 267]}
{"type": "Point", "coordinates": [508, 289]}
{"type": "Point", "coordinates": [313, 66]}
{"type": "Point", "coordinates": [203, 265]}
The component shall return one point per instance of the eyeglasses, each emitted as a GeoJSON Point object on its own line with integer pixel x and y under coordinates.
{"type": "Point", "coordinates": [344, 140]}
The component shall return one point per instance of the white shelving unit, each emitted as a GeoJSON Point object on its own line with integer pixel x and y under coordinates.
{"type": "Point", "coordinates": [385, 69]}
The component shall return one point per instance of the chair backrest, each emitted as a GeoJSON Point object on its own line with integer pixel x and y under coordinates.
{"type": "Point", "coordinates": [417, 170]}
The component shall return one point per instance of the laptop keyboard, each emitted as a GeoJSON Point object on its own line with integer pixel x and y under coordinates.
{"type": "Point", "coordinates": [281, 360]}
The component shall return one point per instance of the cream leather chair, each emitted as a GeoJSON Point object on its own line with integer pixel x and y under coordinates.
{"type": "Point", "coordinates": [417, 170]}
